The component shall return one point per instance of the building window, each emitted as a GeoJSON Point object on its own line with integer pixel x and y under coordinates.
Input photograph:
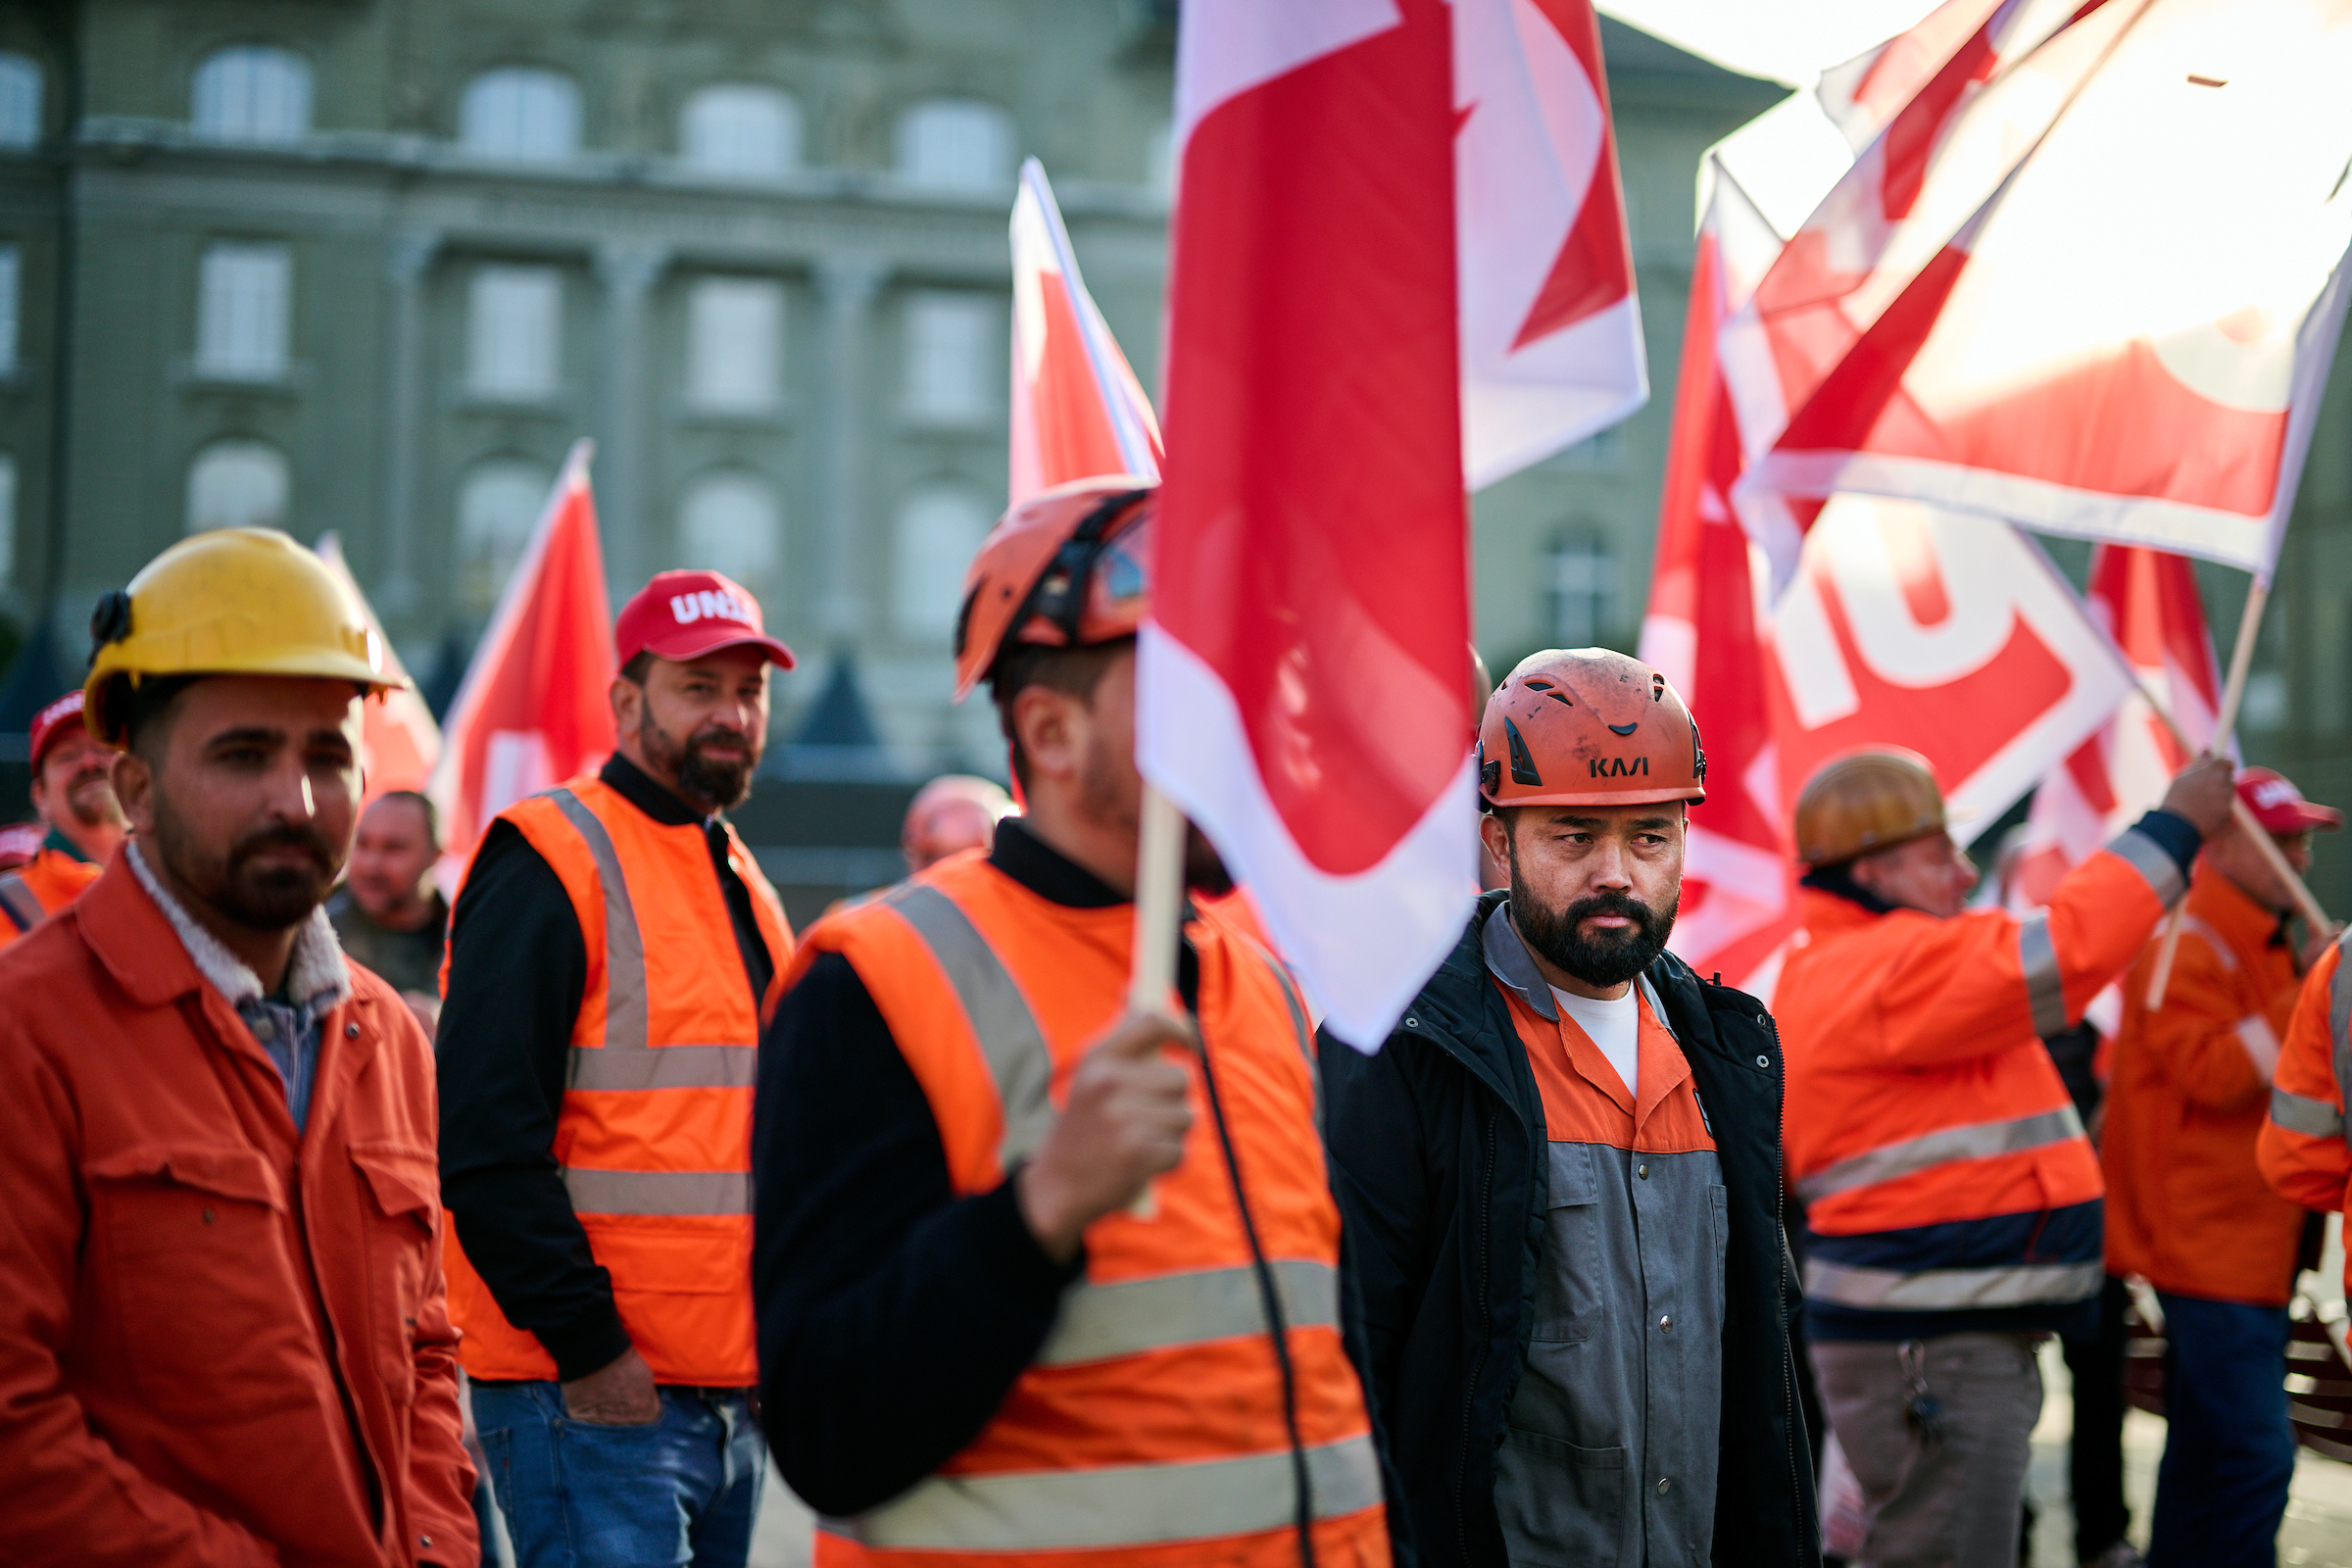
{"type": "Point", "coordinates": [940, 527]}
{"type": "Point", "coordinates": [1583, 592]}
{"type": "Point", "coordinates": [515, 332]}
{"type": "Point", "coordinates": [953, 357]}
{"type": "Point", "coordinates": [253, 92]}
{"type": "Point", "coordinates": [242, 312]}
{"type": "Point", "coordinates": [521, 113]}
{"type": "Point", "coordinates": [8, 520]}
{"type": "Point", "coordinates": [11, 293]}
{"type": "Point", "coordinates": [237, 484]}
{"type": "Point", "coordinates": [730, 523]}
{"type": "Point", "coordinates": [734, 339]}
{"type": "Point", "coordinates": [955, 144]}
{"type": "Point", "coordinates": [20, 101]}
{"type": "Point", "coordinates": [741, 132]}
{"type": "Point", "coordinates": [498, 505]}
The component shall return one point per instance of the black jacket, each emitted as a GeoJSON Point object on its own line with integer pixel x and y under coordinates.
{"type": "Point", "coordinates": [1437, 1146]}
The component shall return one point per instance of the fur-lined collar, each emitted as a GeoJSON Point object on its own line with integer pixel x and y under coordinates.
{"type": "Point", "coordinates": [317, 977]}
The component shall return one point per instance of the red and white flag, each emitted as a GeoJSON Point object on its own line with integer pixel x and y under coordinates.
{"type": "Point", "coordinates": [1706, 632]}
{"type": "Point", "coordinates": [1550, 330]}
{"type": "Point", "coordinates": [1863, 96]}
{"type": "Point", "coordinates": [399, 742]}
{"type": "Point", "coordinates": [535, 706]}
{"type": "Point", "coordinates": [1078, 411]}
{"type": "Point", "coordinates": [2128, 337]}
{"type": "Point", "coordinates": [2147, 601]}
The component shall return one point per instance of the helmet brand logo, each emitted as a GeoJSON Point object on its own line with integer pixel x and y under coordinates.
{"type": "Point", "coordinates": [707, 604]}
{"type": "Point", "coordinates": [1619, 767]}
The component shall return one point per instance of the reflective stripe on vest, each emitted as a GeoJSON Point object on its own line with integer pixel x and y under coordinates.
{"type": "Point", "coordinates": [2046, 984]}
{"type": "Point", "coordinates": [18, 903]}
{"type": "Point", "coordinates": [1952, 1288]}
{"type": "Point", "coordinates": [1118, 1505]}
{"type": "Point", "coordinates": [626, 1062]}
{"type": "Point", "coordinates": [2153, 863]}
{"type": "Point", "coordinates": [1945, 1146]}
{"type": "Point", "coordinates": [2300, 1114]}
{"type": "Point", "coordinates": [1125, 1317]}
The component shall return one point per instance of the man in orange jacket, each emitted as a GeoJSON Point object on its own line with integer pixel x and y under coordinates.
{"type": "Point", "coordinates": [607, 956]}
{"type": "Point", "coordinates": [73, 790]}
{"type": "Point", "coordinates": [223, 1337]}
{"type": "Point", "coordinates": [974, 1350]}
{"type": "Point", "coordinates": [2187, 1208]}
{"type": "Point", "coordinates": [1953, 1204]}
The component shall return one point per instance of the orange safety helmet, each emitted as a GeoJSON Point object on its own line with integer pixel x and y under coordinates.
{"type": "Point", "coordinates": [1584, 726]}
{"type": "Point", "coordinates": [1865, 802]}
{"type": "Point", "coordinates": [1068, 568]}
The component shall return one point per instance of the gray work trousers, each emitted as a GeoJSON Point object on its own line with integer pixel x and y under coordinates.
{"type": "Point", "coordinates": [1949, 1500]}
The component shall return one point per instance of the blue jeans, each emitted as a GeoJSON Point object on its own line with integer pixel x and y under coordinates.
{"type": "Point", "coordinates": [2229, 1450]}
{"type": "Point", "coordinates": [679, 1490]}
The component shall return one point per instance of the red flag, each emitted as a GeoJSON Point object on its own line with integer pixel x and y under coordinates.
{"type": "Point", "coordinates": [2128, 338]}
{"type": "Point", "coordinates": [399, 742]}
{"type": "Point", "coordinates": [535, 706]}
{"type": "Point", "coordinates": [1078, 411]}
{"type": "Point", "coordinates": [1552, 334]}
{"type": "Point", "coordinates": [2147, 599]}
{"type": "Point", "coordinates": [1300, 692]}
{"type": "Point", "coordinates": [1738, 886]}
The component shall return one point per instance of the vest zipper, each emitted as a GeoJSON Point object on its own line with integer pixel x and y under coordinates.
{"type": "Point", "coordinates": [1478, 1363]}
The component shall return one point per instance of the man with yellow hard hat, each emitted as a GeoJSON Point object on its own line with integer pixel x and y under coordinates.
{"type": "Point", "coordinates": [222, 1335]}
{"type": "Point", "coordinates": [1952, 1203]}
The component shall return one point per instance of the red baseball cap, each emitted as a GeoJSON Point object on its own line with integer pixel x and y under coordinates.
{"type": "Point", "coordinates": [54, 723]}
{"type": "Point", "coordinates": [2281, 806]}
{"type": "Point", "coordinates": [685, 615]}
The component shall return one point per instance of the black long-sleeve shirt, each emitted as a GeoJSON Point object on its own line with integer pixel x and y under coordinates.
{"type": "Point", "coordinates": [517, 974]}
{"type": "Point", "coordinates": [894, 1316]}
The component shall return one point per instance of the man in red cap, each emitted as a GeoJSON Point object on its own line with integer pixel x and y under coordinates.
{"type": "Point", "coordinates": [608, 954]}
{"type": "Point", "coordinates": [73, 790]}
{"type": "Point", "coordinates": [2187, 1204]}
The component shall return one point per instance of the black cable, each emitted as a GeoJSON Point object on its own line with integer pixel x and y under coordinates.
{"type": "Point", "coordinates": [1279, 1328]}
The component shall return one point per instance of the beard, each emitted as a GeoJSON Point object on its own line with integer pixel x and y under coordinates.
{"type": "Point", "coordinates": [90, 798]}
{"type": "Point", "coordinates": [714, 784]}
{"type": "Point", "coordinates": [1607, 959]}
{"type": "Point", "coordinates": [259, 898]}
{"type": "Point", "coordinates": [1111, 794]}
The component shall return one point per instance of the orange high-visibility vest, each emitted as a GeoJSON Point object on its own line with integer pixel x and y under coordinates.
{"type": "Point", "coordinates": [2302, 1148]}
{"type": "Point", "coordinates": [1150, 1431]}
{"type": "Point", "coordinates": [654, 1136]}
{"type": "Point", "coordinates": [38, 889]}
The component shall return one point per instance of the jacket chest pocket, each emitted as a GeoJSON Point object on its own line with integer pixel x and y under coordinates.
{"type": "Point", "coordinates": [1571, 1272]}
{"type": "Point", "coordinates": [190, 1248]}
{"type": "Point", "coordinates": [402, 1215]}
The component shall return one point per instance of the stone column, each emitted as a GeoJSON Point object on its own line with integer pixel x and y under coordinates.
{"type": "Point", "coordinates": [628, 270]}
{"type": "Point", "coordinates": [847, 285]}
{"type": "Point", "coordinates": [398, 593]}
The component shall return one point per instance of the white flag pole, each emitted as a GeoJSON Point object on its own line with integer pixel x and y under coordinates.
{"type": "Point", "coordinates": [2234, 692]}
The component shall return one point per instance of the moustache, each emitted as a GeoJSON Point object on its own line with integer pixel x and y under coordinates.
{"type": "Point", "coordinates": [1623, 904]}
{"type": "Point", "coordinates": [284, 836]}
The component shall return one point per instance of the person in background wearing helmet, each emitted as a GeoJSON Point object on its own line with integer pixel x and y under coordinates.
{"type": "Point", "coordinates": [2187, 1207]}
{"type": "Point", "coordinates": [952, 813]}
{"type": "Point", "coordinates": [73, 790]}
{"type": "Point", "coordinates": [223, 1333]}
{"type": "Point", "coordinates": [974, 1349]}
{"type": "Point", "coordinates": [608, 954]}
{"type": "Point", "coordinates": [1560, 1178]}
{"type": "Point", "coordinates": [1951, 1198]}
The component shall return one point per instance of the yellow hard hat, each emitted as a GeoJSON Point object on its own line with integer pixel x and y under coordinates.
{"type": "Point", "coordinates": [233, 602]}
{"type": "Point", "coordinates": [1865, 802]}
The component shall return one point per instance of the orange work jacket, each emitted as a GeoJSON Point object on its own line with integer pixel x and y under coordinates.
{"type": "Point", "coordinates": [2302, 1151]}
{"type": "Point", "coordinates": [1944, 1173]}
{"type": "Point", "coordinates": [654, 1136]}
{"type": "Point", "coordinates": [1151, 1430]}
{"type": "Point", "coordinates": [2187, 1208]}
{"type": "Point", "coordinates": [39, 888]}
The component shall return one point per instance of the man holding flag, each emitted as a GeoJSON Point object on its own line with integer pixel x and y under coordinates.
{"type": "Point", "coordinates": [974, 1341]}
{"type": "Point", "coordinates": [1561, 1179]}
{"type": "Point", "coordinates": [607, 954]}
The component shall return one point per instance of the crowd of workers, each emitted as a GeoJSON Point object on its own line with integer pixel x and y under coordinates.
{"type": "Point", "coordinates": [333, 1214]}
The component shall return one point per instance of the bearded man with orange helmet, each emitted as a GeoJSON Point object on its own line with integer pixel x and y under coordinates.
{"type": "Point", "coordinates": [1953, 1213]}
{"type": "Point", "coordinates": [1561, 1180]}
{"type": "Point", "coordinates": [973, 1349]}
